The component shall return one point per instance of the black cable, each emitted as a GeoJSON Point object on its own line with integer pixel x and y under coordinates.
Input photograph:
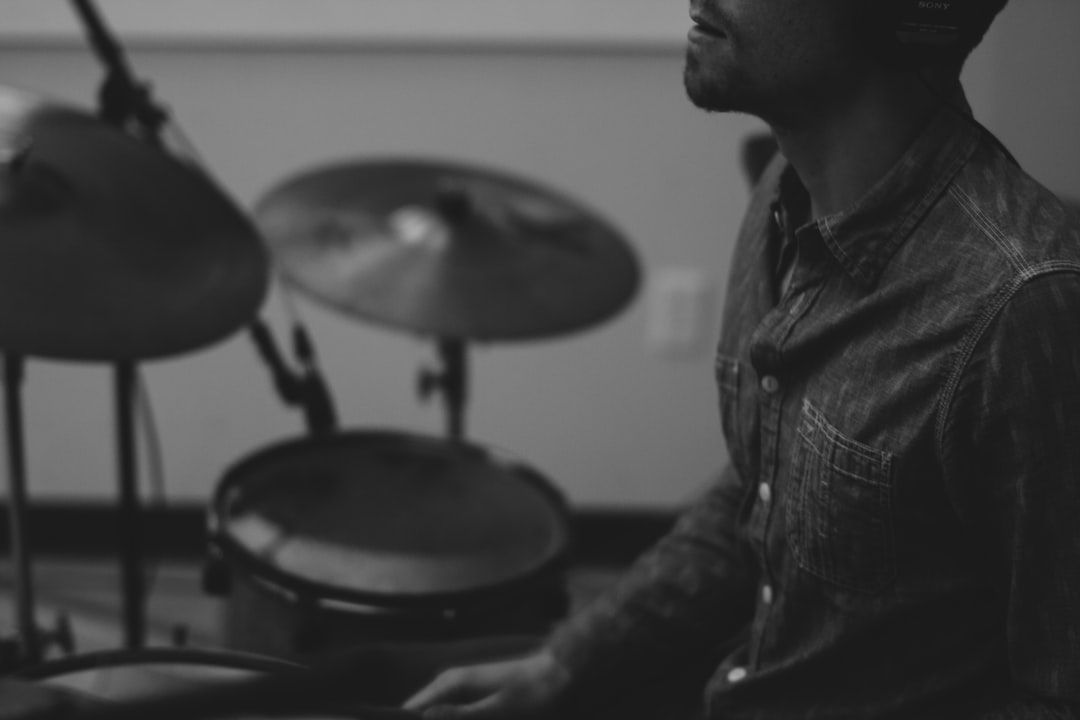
{"type": "Point", "coordinates": [155, 471]}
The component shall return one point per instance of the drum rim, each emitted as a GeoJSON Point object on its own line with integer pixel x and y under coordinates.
{"type": "Point", "coordinates": [311, 591]}
{"type": "Point", "coordinates": [221, 658]}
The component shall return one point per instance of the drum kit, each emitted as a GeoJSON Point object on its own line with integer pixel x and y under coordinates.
{"type": "Point", "coordinates": [114, 249]}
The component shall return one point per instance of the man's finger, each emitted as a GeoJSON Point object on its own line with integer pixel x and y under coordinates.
{"type": "Point", "coordinates": [446, 687]}
{"type": "Point", "coordinates": [488, 708]}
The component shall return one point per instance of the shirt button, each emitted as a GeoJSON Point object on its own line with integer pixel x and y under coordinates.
{"type": "Point", "coordinates": [770, 384]}
{"type": "Point", "coordinates": [767, 594]}
{"type": "Point", "coordinates": [764, 492]}
{"type": "Point", "coordinates": [736, 674]}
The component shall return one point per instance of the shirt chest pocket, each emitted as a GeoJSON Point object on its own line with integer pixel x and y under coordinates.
{"type": "Point", "coordinates": [839, 510]}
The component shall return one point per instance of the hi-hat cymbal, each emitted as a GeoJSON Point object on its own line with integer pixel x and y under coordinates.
{"type": "Point", "coordinates": [111, 249]}
{"type": "Point", "coordinates": [447, 250]}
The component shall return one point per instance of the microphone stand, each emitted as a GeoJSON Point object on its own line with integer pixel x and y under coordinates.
{"type": "Point", "coordinates": [126, 104]}
{"type": "Point", "coordinates": [308, 390]}
{"type": "Point", "coordinates": [315, 395]}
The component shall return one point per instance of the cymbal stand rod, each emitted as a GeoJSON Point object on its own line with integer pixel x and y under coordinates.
{"type": "Point", "coordinates": [455, 384]}
{"type": "Point", "coordinates": [130, 522]}
{"type": "Point", "coordinates": [29, 650]}
{"type": "Point", "coordinates": [452, 381]}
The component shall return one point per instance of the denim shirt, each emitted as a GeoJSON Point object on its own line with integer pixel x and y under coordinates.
{"type": "Point", "coordinates": [897, 534]}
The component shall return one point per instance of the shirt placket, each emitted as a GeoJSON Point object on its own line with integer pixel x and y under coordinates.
{"type": "Point", "coordinates": [765, 355]}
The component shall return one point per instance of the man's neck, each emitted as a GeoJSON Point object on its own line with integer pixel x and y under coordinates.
{"type": "Point", "coordinates": [840, 152]}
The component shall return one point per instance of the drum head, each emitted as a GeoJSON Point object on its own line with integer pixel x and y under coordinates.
{"type": "Point", "coordinates": [390, 514]}
{"type": "Point", "coordinates": [131, 675]}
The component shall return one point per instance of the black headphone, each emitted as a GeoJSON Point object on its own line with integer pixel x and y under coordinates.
{"type": "Point", "coordinates": [922, 32]}
{"type": "Point", "coordinates": [918, 33]}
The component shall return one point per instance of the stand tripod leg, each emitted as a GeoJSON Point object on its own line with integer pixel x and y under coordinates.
{"type": "Point", "coordinates": [29, 645]}
{"type": "Point", "coordinates": [130, 530]}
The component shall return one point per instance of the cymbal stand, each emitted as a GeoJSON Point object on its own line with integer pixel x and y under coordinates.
{"type": "Point", "coordinates": [127, 104]}
{"type": "Point", "coordinates": [29, 649]}
{"type": "Point", "coordinates": [31, 642]}
{"type": "Point", "coordinates": [132, 579]}
{"type": "Point", "coordinates": [452, 381]}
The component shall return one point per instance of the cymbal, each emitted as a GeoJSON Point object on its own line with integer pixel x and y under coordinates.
{"type": "Point", "coordinates": [111, 249]}
{"type": "Point", "coordinates": [447, 249]}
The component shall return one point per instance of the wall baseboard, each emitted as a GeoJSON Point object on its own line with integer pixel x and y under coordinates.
{"type": "Point", "coordinates": [602, 536]}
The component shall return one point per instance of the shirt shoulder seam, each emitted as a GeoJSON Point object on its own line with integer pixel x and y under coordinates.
{"type": "Point", "coordinates": [971, 339]}
{"type": "Point", "coordinates": [990, 229]}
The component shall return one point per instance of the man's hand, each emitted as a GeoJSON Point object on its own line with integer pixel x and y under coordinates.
{"type": "Point", "coordinates": [528, 688]}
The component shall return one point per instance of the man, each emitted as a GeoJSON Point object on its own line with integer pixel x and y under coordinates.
{"type": "Point", "coordinates": [899, 379]}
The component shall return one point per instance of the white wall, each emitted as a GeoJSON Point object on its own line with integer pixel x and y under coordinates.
{"type": "Point", "coordinates": [609, 421]}
{"type": "Point", "coordinates": [1024, 83]}
{"type": "Point", "coordinates": [349, 22]}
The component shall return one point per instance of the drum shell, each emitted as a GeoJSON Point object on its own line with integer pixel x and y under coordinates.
{"type": "Point", "coordinates": [267, 612]}
{"type": "Point", "coordinates": [258, 618]}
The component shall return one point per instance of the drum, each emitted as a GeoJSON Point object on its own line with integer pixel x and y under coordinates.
{"type": "Point", "coordinates": [135, 674]}
{"type": "Point", "coordinates": [130, 675]}
{"type": "Point", "coordinates": [324, 542]}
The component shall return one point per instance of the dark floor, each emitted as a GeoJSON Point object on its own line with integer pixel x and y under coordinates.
{"type": "Point", "coordinates": [87, 591]}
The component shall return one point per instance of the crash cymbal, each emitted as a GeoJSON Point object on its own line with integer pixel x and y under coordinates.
{"type": "Point", "coordinates": [110, 249]}
{"type": "Point", "coordinates": [447, 250]}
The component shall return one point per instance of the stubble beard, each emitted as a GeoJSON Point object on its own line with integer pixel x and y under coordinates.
{"type": "Point", "coordinates": [711, 90]}
{"type": "Point", "coordinates": [729, 89]}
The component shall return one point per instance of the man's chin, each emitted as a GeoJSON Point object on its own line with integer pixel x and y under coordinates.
{"type": "Point", "coordinates": [709, 98]}
{"type": "Point", "coordinates": [706, 93]}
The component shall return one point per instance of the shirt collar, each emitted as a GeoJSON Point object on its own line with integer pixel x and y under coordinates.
{"type": "Point", "coordinates": [864, 237]}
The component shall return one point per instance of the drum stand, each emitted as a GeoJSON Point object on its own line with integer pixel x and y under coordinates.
{"type": "Point", "coordinates": [30, 642]}
{"type": "Point", "coordinates": [452, 381]}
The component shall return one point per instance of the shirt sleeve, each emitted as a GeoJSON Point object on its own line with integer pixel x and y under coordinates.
{"type": "Point", "coordinates": [689, 594]}
{"type": "Point", "coordinates": [1031, 711]}
{"type": "Point", "coordinates": [1011, 443]}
